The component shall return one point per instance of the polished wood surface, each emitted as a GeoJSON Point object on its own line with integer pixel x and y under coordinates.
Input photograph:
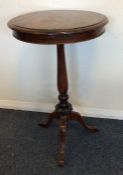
{"type": "Point", "coordinates": [57, 20]}
{"type": "Point", "coordinates": [58, 26]}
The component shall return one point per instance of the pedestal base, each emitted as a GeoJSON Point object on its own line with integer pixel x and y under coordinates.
{"type": "Point", "coordinates": [63, 119]}
{"type": "Point", "coordinates": [63, 110]}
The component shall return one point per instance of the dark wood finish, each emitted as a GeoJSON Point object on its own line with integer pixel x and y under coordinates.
{"type": "Point", "coordinates": [62, 82]}
{"type": "Point", "coordinates": [62, 126]}
{"type": "Point", "coordinates": [51, 116]}
{"type": "Point", "coordinates": [77, 117]}
{"type": "Point", "coordinates": [63, 110]}
{"type": "Point", "coordinates": [60, 27]}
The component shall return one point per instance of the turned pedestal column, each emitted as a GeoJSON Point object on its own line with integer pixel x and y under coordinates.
{"type": "Point", "coordinates": [63, 110]}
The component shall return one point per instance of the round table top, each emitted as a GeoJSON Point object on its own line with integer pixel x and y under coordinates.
{"type": "Point", "coordinates": [58, 26]}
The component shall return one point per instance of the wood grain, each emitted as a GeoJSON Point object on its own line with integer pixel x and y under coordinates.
{"type": "Point", "coordinates": [58, 26]}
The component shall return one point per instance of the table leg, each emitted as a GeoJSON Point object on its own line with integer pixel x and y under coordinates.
{"type": "Point", "coordinates": [63, 110]}
{"type": "Point", "coordinates": [62, 126]}
{"type": "Point", "coordinates": [53, 115]}
{"type": "Point", "coordinates": [77, 117]}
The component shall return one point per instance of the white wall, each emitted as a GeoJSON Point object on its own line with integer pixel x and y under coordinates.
{"type": "Point", "coordinates": [95, 68]}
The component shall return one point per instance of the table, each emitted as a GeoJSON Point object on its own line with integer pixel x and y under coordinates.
{"type": "Point", "coordinates": [60, 27]}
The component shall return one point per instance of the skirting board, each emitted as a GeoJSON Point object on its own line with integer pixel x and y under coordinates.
{"type": "Point", "coordinates": [45, 107]}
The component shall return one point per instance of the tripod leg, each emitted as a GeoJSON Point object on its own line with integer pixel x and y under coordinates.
{"type": "Point", "coordinates": [76, 116]}
{"type": "Point", "coordinates": [63, 123]}
{"type": "Point", "coordinates": [50, 119]}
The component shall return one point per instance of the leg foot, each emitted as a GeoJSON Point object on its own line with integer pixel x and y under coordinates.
{"type": "Point", "coordinates": [50, 119]}
{"type": "Point", "coordinates": [62, 140]}
{"type": "Point", "coordinates": [76, 116]}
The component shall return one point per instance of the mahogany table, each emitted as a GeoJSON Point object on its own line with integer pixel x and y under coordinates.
{"type": "Point", "coordinates": [60, 27]}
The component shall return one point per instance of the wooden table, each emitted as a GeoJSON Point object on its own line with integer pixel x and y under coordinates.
{"type": "Point", "coordinates": [60, 27]}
